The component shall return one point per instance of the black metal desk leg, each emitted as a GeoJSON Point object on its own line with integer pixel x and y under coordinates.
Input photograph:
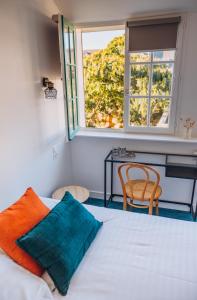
{"type": "Point", "coordinates": [192, 198]}
{"type": "Point", "coordinates": [105, 183]}
{"type": "Point", "coordinates": [112, 171]}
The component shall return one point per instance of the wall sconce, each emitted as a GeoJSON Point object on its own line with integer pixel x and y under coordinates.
{"type": "Point", "coordinates": [50, 92]}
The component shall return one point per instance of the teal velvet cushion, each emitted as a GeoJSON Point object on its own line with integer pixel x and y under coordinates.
{"type": "Point", "coordinates": [59, 242]}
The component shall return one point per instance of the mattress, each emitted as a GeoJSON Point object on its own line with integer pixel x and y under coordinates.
{"type": "Point", "coordinates": [137, 257]}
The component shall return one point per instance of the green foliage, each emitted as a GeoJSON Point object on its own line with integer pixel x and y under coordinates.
{"type": "Point", "coordinates": [104, 87]}
{"type": "Point", "coordinates": [138, 112]}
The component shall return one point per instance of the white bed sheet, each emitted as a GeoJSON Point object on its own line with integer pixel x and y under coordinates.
{"type": "Point", "coordinates": [16, 283]}
{"type": "Point", "coordinates": [137, 257]}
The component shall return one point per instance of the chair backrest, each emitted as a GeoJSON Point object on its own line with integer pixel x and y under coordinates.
{"type": "Point", "coordinates": [147, 170]}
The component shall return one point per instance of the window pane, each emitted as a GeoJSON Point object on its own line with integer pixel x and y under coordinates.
{"type": "Point", "coordinates": [70, 114]}
{"type": "Point", "coordinates": [75, 112]}
{"type": "Point", "coordinates": [71, 34]}
{"type": "Point", "coordinates": [140, 57]}
{"type": "Point", "coordinates": [164, 55]}
{"type": "Point", "coordinates": [139, 80]}
{"type": "Point", "coordinates": [66, 45]}
{"type": "Point", "coordinates": [68, 82]}
{"type": "Point", "coordinates": [162, 75]}
{"type": "Point", "coordinates": [138, 111]}
{"type": "Point", "coordinates": [103, 65]}
{"type": "Point", "coordinates": [160, 110]}
{"type": "Point", "coordinates": [73, 74]}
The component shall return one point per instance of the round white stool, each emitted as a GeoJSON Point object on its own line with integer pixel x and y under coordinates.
{"type": "Point", "coordinates": [80, 193]}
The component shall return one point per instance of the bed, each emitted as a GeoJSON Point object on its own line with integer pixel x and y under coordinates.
{"type": "Point", "coordinates": [134, 257]}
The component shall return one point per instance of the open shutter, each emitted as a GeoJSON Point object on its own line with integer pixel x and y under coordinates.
{"type": "Point", "coordinates": [69, 74]}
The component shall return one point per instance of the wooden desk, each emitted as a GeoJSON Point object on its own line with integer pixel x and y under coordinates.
{"type": "Point", "coordinates": [172, 169]}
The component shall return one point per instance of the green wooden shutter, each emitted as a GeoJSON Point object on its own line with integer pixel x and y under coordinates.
{"type": "Point", "coordinates": [69, 69]}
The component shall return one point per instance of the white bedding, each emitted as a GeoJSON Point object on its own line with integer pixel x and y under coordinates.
{"type": "Point", "coordinates": [137, 257]}
{"type": "Point", "coordinates": [134, 257]}
{"type": "Point", "coordinates": [16, 283]}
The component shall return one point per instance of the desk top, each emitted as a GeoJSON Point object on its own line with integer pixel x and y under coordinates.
{"type": "Point", "coordinates": [132, 157]}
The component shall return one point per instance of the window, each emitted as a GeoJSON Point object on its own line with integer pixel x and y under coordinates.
{"type": "Point", "coordinates": [103, 70]}
{"type": "Point", "coordinates": [150, 88]}
{"type": "Point", "coordinates": [149, 75]}
{"type": "Point", "coordinates": [126, 76]}
{"type": "Point", "coordinates": [69, 70]}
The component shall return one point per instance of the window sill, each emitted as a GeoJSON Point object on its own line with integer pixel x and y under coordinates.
{"type": "Point", "coordinates": [134, 137]}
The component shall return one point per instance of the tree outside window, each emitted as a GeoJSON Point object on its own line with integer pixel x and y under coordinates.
{"type": "Point", "coordinates": [151, 76]}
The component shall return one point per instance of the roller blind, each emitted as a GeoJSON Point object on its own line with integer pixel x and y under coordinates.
{"type": "Point", "coordinates": [153, 34]}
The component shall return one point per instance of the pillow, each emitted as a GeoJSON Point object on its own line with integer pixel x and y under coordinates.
{"type": "Point", "coordinates": [15, 221]}
{"type": "Point", "coordinates": [17, 283]}
{"type": "Point", "coordinates": [61, 239]}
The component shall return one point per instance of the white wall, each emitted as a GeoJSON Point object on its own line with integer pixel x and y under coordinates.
{"type": "Point", "coordinates": [188, 89]}
{"type": "Point", "coordinates": [88, 153]}
{"type": "Point", "coordinates": [88, 165]}
{"type": "Point", "coordinates": [30, 125]}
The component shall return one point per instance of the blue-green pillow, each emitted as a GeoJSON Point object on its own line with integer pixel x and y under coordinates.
{"type": "Point", "coordinates": [59, 242]}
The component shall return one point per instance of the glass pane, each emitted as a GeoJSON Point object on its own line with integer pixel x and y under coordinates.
{"type": "Point", "coordinates": [68, 82]}
{"type": "Point", "coordinates": [164, 55]}
{"type": "Point", "coordinates": [138, 111]}
{"type": "Point", "coordinates": [73, 74]}
{"type": "Point", "coordinates": [103, 66]}
{"type": "Point", "coordinates": [71, 34]}
{"type": "Point", "coordinates": [160, 110]}
{"type": "Point", "coordinates": [162, 79]}
{"type": "Point", "coordinates": [139, 80]}
{"type": "Point", "coordinates": [70, 114]}
{"type": "Point", "coordinates": [140, 57]}
{"type": "Point", "coordinates": [75, 112]}
{"type": "Point", "coordinates": [66, 45]}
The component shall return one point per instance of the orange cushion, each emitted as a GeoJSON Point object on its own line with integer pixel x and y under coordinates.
{"type": "Point", "coordinates": [17, 220]}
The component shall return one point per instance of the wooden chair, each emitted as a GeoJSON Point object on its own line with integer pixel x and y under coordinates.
{"type": "Point", "coordinates": [140, 189]}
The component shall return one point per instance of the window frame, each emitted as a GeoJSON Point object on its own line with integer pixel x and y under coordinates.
{"type": "Point", "coordinates": [66, 63]}
{"type": "Point", "coordinates": [82, 115]}
{"type": "Point", "coordinates": [175, 85]}
{"type": "Point", "coordinates": [149, 96]}
{"type": "Point", "coordinates": [174, 95]}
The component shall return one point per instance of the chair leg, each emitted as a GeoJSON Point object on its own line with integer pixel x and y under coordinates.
{"type": "Point", "coordinates": [157, 206]}
{"type": "Point", "coordinates": [150, 210]}
{"type": "Point", "coordinates": [125, 202]}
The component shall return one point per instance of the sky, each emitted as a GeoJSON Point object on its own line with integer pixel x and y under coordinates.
{"type": "Point", "coordinates": [99, 39]}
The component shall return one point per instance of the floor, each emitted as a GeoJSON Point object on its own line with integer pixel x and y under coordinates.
{"type": "Point", "coordinates": [164, 212]}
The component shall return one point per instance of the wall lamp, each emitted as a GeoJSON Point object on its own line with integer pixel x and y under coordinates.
{"type": "Point", "coordinates": [49, 91]}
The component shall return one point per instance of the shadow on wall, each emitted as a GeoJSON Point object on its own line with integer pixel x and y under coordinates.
{"type": "Point", "coordinates": [45, 61]}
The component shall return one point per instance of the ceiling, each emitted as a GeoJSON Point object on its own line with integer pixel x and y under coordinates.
{"type": "Point", "coordinates": [88, 11]}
